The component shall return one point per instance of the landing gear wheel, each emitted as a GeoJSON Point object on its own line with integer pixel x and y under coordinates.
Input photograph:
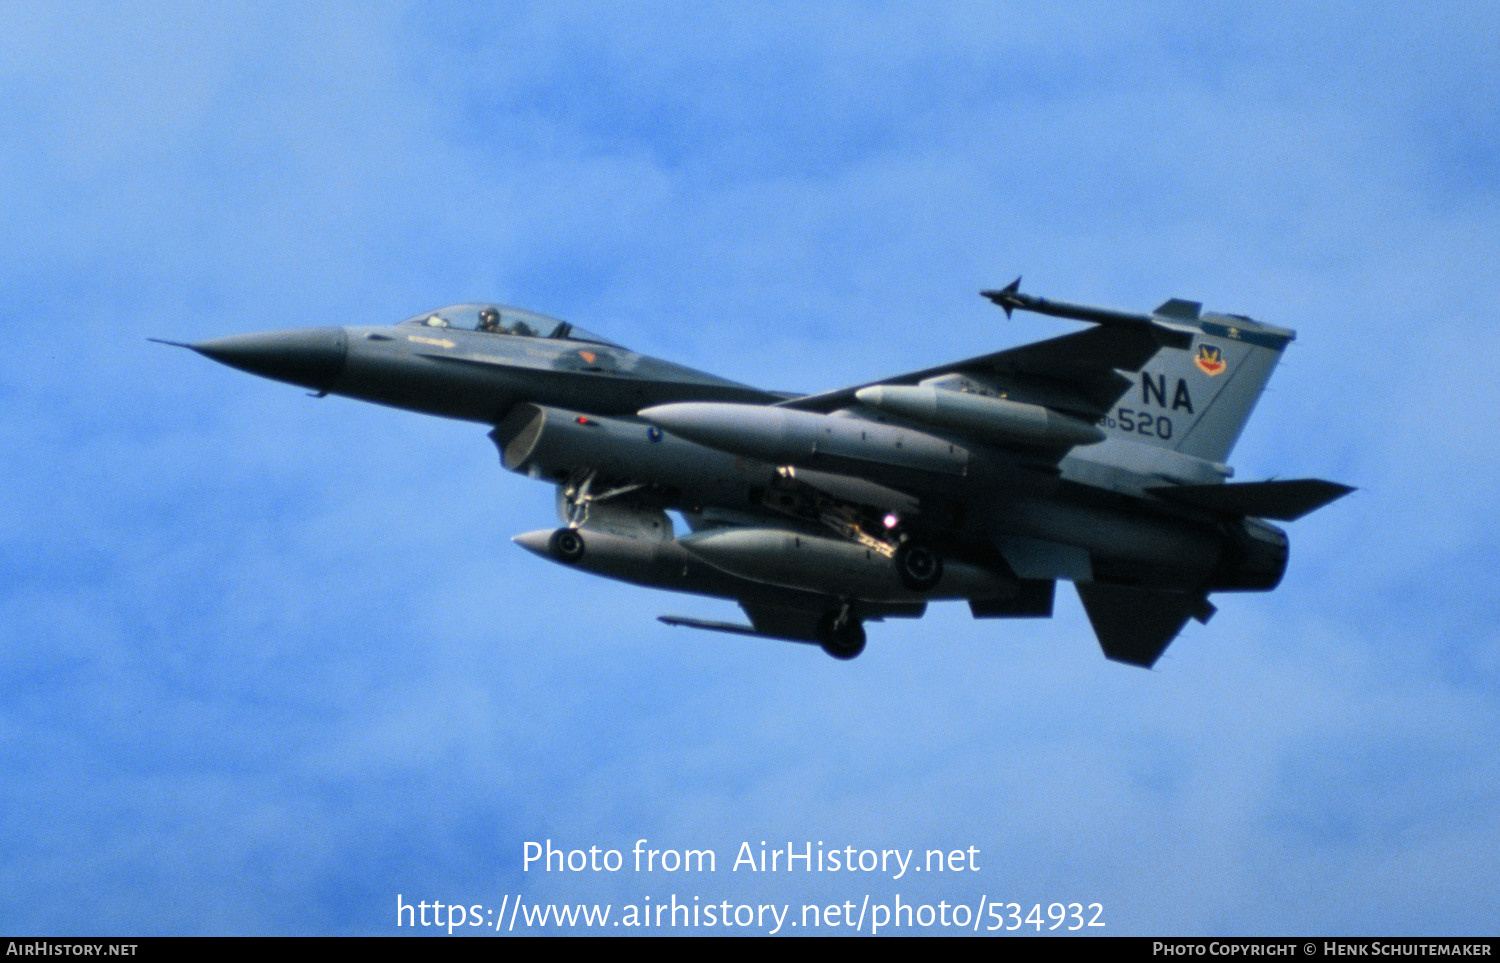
{"type": "Point", "coordinates": [918, 568]}
{"type": "Point", "coordinates": [841, 635]}
{"type": "Point", "coordinates": [566, 545]}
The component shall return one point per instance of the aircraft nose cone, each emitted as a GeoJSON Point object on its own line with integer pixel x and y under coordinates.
{"type": "Point", "coordinates": [311, 357]}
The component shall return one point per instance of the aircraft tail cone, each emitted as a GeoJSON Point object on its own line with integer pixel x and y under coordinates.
{"type": "Point", "coordinates": [312, 358]}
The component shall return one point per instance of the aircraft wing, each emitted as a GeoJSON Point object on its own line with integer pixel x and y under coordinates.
{"type": "Point", "coordinates": [1077, 373]}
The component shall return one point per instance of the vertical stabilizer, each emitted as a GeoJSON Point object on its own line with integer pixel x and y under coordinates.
{"type": "Point", "coordinates": [1196, 400]}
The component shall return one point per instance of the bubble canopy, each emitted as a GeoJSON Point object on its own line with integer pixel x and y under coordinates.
{"type": "Point", "coordinates": [503, 320]}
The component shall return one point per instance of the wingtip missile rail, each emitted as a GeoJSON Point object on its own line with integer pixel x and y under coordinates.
{"type": "Point", "coordinates": [1010, 298]}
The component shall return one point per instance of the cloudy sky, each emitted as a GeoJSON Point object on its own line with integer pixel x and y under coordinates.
{"type": "Point", "coordinates": [268, 662]}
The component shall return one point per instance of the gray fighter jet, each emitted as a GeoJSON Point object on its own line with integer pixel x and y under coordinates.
{"type": "Point", "coordinates": [1097, 458]}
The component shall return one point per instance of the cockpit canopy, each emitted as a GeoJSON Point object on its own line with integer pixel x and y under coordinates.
{"type": "Point", "coordinates": [502, 320]}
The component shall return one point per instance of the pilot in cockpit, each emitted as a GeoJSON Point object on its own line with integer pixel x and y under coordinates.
{"type": "Point", "coordinates": [489, 320]}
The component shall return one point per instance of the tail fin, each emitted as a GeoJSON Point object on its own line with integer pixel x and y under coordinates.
{"type": "Point", "coordinates": [1136, 625]}
{"type": "Point", "coordinates": [1196, 400]}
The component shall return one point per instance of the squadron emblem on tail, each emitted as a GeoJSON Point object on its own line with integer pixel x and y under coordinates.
{"type": "Point", "coordinates": [1210, 360]}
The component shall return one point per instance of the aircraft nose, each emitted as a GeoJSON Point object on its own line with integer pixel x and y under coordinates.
{"type": "Point", "coordinates": [311, 357]}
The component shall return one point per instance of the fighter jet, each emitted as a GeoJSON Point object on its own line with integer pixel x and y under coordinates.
{"type": "Point", "coordinates": [1098, 458]}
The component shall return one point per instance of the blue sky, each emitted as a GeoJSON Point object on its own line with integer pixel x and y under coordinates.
{"type": "Point", "coordinates": [266, 662]}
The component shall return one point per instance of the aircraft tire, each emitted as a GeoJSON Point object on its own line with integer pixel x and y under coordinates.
{"type": "Point", "coordinates": [843, 643]}
{"type": "Point", "coordinates": [919, 569]}
{"type": "Point", "coordinates": [566, 545]}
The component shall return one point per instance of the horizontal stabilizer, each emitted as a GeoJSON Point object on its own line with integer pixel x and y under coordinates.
{"type": "Point", "coordinates": [1136, 625]}
{"type": "Point", "coordinates": [1284, 501]}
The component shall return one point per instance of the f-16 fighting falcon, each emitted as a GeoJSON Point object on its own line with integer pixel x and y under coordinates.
{"type": "Point", "coordinates": [1097, 458]}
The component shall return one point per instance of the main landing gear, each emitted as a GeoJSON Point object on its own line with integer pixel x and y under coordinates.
{"type": "Point", "coordinates": [841, 634]}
